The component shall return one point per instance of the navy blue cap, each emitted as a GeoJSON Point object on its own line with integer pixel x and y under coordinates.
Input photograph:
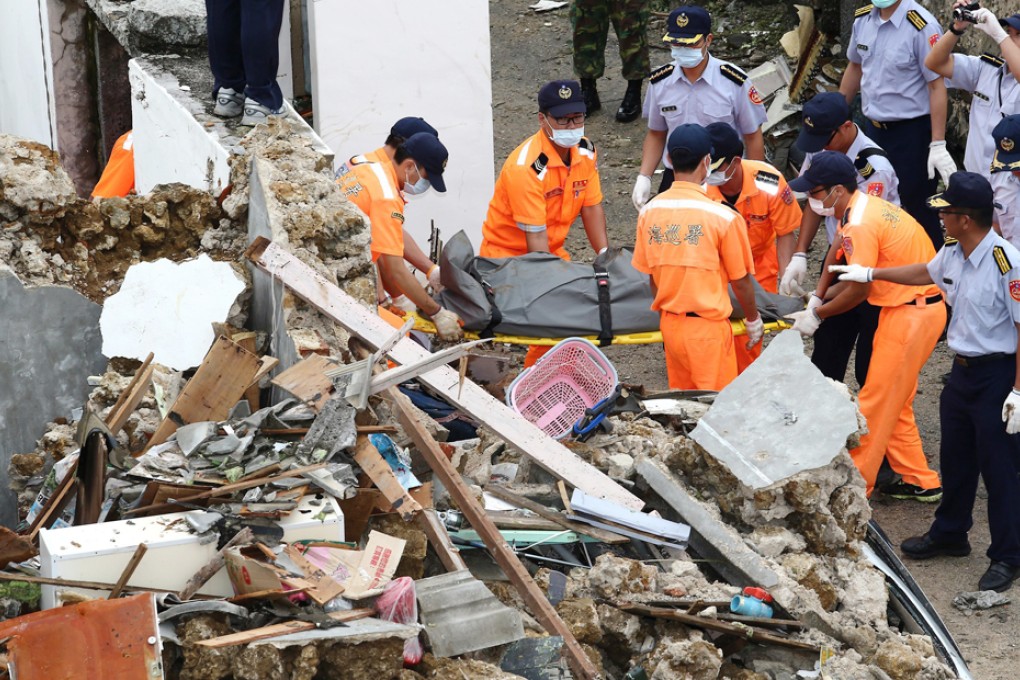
{"type": "Point", "coordinates": [1007, 144]}
{"type": "Point", "coordinates": [428, 152]}
{"type": "Point", "coordinates": [561, 98]}
{"type": "Point", "coordinates": [405, 127]}
{"type": "Point", "coordinates": [822, 114]}
{"type": "Point", "coordinates": [1012, 21]}
{"type": "Point", "coordinates": [687, 25]}
{"type": "Point", "coordinates": [688, 142]}
{"type": "Point", "coordinates": [726, 143]}
{"type": "Point", "coordinates": [827, 169]}
{"type": "Point", "coordinates": [965, 190]}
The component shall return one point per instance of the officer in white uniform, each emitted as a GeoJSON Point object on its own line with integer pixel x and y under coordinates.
{"type": "Point", "coordinates": [987, 77]}
{"type": "Point", "coordinates": [979, 272]}
{"type": "Point", "coordinates": [904, 102]}
{"type": "Point", "coordinates": [695, 88]}
{"type": "Point", "coordinates": [1005, 168]}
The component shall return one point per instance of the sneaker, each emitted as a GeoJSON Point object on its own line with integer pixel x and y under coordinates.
{"type": "Point", "coordinates": [911, 492]}
{"type": "Point", "coordinates": [925, 547]}
{"type": "Point", "coordinates": [228, 103]}
{"type": "Point", "coordinates": [256, 114]}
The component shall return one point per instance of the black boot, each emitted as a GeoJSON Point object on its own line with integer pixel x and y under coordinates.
{"type": "Point", "coordinates": [591, 95]}
{"type": "Point", "coordinates": [630, 107]}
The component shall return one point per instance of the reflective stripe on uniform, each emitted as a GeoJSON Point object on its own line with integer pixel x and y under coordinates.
{"type": "Point", "coordinates": [384, 183]}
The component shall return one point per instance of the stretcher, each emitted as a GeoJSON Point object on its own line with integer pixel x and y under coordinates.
{"type": "Point", "coordinates": [646, 338]}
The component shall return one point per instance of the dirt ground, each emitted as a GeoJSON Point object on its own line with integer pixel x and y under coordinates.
{"type": "Point", "coordinates": [529, 49]}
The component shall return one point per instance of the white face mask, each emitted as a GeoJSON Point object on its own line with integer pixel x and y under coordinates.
{"type": "Point", "coordinates": [882, 4]}
{"type": "Point", "coordinates": [718, 178]}
{"type": "Point", "coordinates": [419, 187]}
{"type": "Point", "coordinates": [567, 138]}
{"type": "Point", "coordinates": [687, 57]}
{"type": "Point", "coordinates": [818, 205]}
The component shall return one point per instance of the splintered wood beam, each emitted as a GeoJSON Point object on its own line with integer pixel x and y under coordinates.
{"type": "Point", "coordinates": [501, 552]}
{"type": "Point", "coordinates": [439, 537]}
{"type": "Point", "coordinates": [337, 305]}
{"type": "Point", "coordinates": [131, 396]}
{"type": "Point", "coordinates": [379, 471]}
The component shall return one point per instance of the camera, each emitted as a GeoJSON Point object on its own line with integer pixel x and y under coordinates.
{"type": "Point", "coordinates": [966, 13]}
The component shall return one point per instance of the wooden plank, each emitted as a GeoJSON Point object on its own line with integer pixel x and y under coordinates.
{"type": "Point", "coordinates": [510, 522]}
{"type": "Point", "coordinates": [379, 471]}
{"type": "Point", "coordinates": [56, 503]}
{"type": "Point", "coordinates": [449, 555]}
{"type": "Point", "coordinates": [129, 570]}
{"type": "Point", "coordinates": [325, 296]}
{"type": "Point", "coordinates": [307, 380]}
{"type": "Point", "coordinates": [86, 585]}
{"type": "Point", "coordinates": [218, 384]}
{"type": "Point", "coordinates": [553, 516]}
{"type": "Point", "coordinates": [278, 629]}
{"type": "Point", "coordinates": [536, 600]}
{"type": "Point", "coordinates": [129, 399]}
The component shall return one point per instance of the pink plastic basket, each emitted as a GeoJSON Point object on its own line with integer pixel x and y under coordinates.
{"type": "Point", "coordinates": [554, 393]}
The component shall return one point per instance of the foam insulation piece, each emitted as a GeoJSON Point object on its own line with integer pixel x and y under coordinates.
{"type": "Point", "coordinates": [168, 309]}
{"type": "Point", "coordinates": [778, 418]}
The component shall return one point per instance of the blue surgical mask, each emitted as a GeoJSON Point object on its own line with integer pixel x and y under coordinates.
{"type": "Point", "coordinates": [567, 138]}
{"type": "Point", "coordinates": [419, 187]}
{"type": "Point", "coordinates": [687, 57]}
{"type": "Point", "coordinates": [882, 4]}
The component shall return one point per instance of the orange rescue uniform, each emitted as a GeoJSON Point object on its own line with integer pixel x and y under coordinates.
{"type": "Point", "coordinates": [370, 182]}
{"type": "Point", "coordinates": [770, 211]}
{"type": "Point", "coordinates": [876, 233]}
{"type": "Point", "coordinates": [693, 247]}
{"type": "Point", "coordinates": [118, 178]}
{"type": "Point", "coordinates": [535, 187]}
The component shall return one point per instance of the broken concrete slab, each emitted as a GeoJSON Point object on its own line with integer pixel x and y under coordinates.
{"type": "Point", "coordinates": [461, 615]}
{"type": "Point", "coordinates": [163, 25]}
{"type": "Point", "coordinates": [168, 309]}
{"type": "Point", "coordinates": [32, 180]}
{"type": "Point", "coordinates": [793, 401]}
{"type": "Point", "coordinates": [49, 345]}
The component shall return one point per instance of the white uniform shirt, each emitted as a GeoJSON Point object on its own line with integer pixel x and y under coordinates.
{"type": "Point", "coordinates": [1007, 214]}
{"type": "Point", "coordinates": [984, 292]}
{"type": "Point", "coordinates": [996, 95]}
{"type": "Point", "coordinates": [894, 80]}
{"type": "Point", "coordinates": [673, 100]}
{"type": "Point", "coordinates": [881, 182]}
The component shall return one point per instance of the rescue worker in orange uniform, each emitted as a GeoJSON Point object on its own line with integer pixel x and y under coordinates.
{"type": "Point", "coordinates": [545, 183]}
{"type": "Point", "coordinates": [378, 187]}
{"type": "Point", "coordinates": [692, 247]}
{"type": "Point", "coordinates": [118, 178]}
{"type": "Point", "coordinates": [758, 191]}
{"type": "Point", "coordinates": [876, 233]}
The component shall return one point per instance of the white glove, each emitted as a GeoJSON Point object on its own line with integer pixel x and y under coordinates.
{"type": "Point", "coordinates": [404, 303]}
{"type": "Point", "coordinates": [793, 277]}
{"type": "Point", "coordinates": [447, 324]}
{"type": "Point", "coordinates": [815, 301]}
{"type": "Point", "coordinates": [806, 322]}
{"type": "Point", "coordinates": [1011, 412]}
{"type": "Point", "coordinates": [642, 191]}
{"type": "Point", "coordinates": [939, 159]}
{"type": "Point", "coordinates": [434, 279]}
{"type": "Point", "coordinates": [989, 24]}
{"type": "Point", "coordinates": [755, 331]}
{"type": "Point", "coordinates": [853, 272]}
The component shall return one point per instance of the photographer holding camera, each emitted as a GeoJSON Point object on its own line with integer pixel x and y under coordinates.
{"type": "Point", "coordinates": [989, 78]}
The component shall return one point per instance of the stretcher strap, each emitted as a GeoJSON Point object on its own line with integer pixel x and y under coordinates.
{"type": "Point", "coordinates": [496, 317]}
{"type": "Point", "coordinates": [605, 308]}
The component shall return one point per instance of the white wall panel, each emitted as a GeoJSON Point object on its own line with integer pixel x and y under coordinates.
{"type": "Point", "coordinates": [26, 78]}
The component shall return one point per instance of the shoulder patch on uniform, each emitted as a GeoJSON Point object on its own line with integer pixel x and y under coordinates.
{"type": "Point", "coordinates": [661, 73]}
{"type": "Point", "coordinates": [733, 73]}
{"type": "Point", "coordinates": [586, 144]}
{"type": "Point", "coordinates": [766, 176]}
{"type": "Point", "coordinates": [1001, 261]}
{"type": "Point", "coordinates": [397, 216]}
{"type": "Point", "coordinates": [990, 58]}
{"type": "Point", "coordinates": [950, 242]}
{"type": "Point", "coordinates": [864, 166]}
{"type": "Point", "coordinates": [539, 165]}
{"type": "Point", "coordinates": [358, 160]}
{"type": "Point", "coordinates": [861, 11]}
{"type": "Point", "coordinates": [916, 20]}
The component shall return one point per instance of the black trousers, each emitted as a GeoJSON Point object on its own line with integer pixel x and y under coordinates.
{"type": "Point", "coordinates": [906, 142]}
{"type": "Point", "coordinates": [974, 442]}
{"type": "Point", "coordinates": [244, 52]}
{"type": "Point", "coordinates": [835, 340]}
{"type": "Point", "coordinates": [667, 179]}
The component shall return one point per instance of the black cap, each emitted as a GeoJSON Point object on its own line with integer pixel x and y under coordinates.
{"type": "Point", "coordinates": [965, 190]}
{"type": "Point", "coordinates": [687, 25]}
{"type": "Point", "coordinates": [827, 169]}
{"type": "Point", "coordinates": [561, 98]}
{"type": "Point", "coordinates": [822, 114]}
{"type": "Point", "coordinates": [1012, 21]}
{"type": "Point", "coordinates": [688, 142]}
{"type": "Point", "coordinates": [405, 127]}
{"type": "Point", "coordinates": [428, 152]}
{"type": "Point", "coordinates": [726, 143]}
{"type": "Point", "coordinates": [1007, 144]}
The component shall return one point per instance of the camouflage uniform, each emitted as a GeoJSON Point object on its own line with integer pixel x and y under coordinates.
{"type": "Point", "coordinates": [590, 20]}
